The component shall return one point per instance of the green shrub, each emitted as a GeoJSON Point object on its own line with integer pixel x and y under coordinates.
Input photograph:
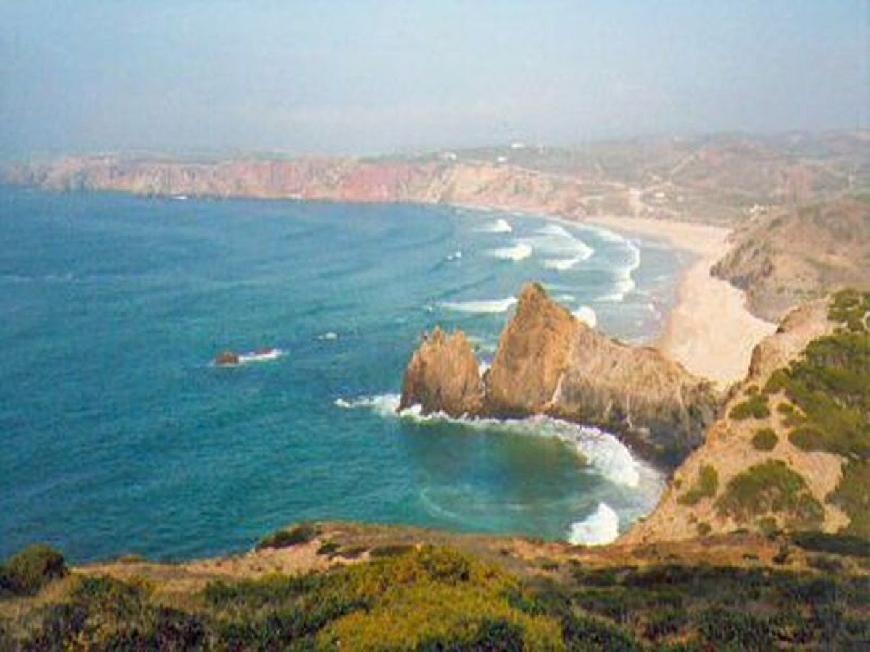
{"type": "Point", "coordinates": [786, 409]}
{"type": "Point", "coordinates": [735, 630]}
{"type": "Point", "coordinates": [829, 386]}
{"type": "Point", "coordinates": [765, 439]}
{"type": "Point", "coordinates": [26, 572]}
{"type": "Point", "coordinates": [393, 550]}
{"type": "Point", "coordinates": [328, 548]}
{"type": "Point", "coordinates": [838, 544]}
{"type": "Point", "coordinates": [703, 529]}
{"type": "Point", "coordinates": [582, 634]}
{"type": "Point", "coordinates": [852, 495]}
{"type": "Point", "coordinates": [849, 308]}
{"type": "Point", "coordinates": [770, 487]}
{"type": "Point", "coordinates": [754, 407]}
{"type": "Point", "coordinates": [705, 487]}
{"type": "Point", "coordinates": [295, 536]}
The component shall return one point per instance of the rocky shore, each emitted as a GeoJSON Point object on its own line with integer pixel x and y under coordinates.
{"type": "Point", "coordinates": [548, 362]}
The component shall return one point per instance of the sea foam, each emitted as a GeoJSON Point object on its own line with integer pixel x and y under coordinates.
{"type": "Point", "coordinates": [623, 280]}
{"type": "Point", "coordinates": [599, 528]}
{"type": "Point", "coordinates": [260, 356]}
{"type": "Point", "coordinates": [493, 306]}
{"type": "Point", "coordinates": [587, 316]}
{"type": "Point", "coordinates": [520, 251]}
{"type": "Point", "coordinates": [501, 225]}
{"type": "Point", "coordinates": [605, 454]}
{"type": "Point", "coordinates": [565, 249]}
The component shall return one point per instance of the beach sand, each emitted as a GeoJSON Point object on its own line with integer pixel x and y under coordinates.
{"type": "Point", "coordinates": [709, 331]}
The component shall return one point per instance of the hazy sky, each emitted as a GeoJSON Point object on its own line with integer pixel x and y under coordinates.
{"type": "Point", "coordinates": [364, 77]}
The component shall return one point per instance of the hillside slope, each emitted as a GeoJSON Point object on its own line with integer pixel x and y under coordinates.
{"type": "Point", "coordinates": [799, 254]}
{"type": "Point", "coordinates": [791, 451]}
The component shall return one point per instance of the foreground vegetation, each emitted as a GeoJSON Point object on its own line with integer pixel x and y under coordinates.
{"type": "Point", "coordinates": [436, 598]}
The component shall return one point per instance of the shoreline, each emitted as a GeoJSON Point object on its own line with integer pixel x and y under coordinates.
{"type": "Point", "coordinates": [710, 331]}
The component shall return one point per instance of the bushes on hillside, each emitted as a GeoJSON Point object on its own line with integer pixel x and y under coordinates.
{"type": "Point", "coordinates": [705, 487]}
{"type": "Point", "coordinates": [28, 571]}
{"type": "Point", "coordinates": [764, 439]}
{"type": "Point", "coordinates": [770, 487]}
{"type": "Point", "coordinates": [829, 386]}
{"type": "Point", "coordinates": [293, 537]}
{"type": "Point", "coordinates": [754, 407]}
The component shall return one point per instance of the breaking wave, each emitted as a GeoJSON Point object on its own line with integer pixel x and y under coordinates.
{"type": "Point", "coordinates": [493, 306]}
{"type": "Point", "coordinates": [566, 250]}
{"type": "Point", "coordinates": [587, 316]}
{"type": "Point", "coordinates": [623, 280]}
{"type": "Point", "coordinates": [604, 453]}
{"type": "Point", "coordinates": [520, 251]}
{"type": "Point", "coordinates": [599, 528]}
{"type": "Point", "coordinates": [260, 356]}
{"type": "Point", "coordinates": [501, 225]}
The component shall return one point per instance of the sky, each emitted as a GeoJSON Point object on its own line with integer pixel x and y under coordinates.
{"type": "Point", "coordinates": [367, 77]}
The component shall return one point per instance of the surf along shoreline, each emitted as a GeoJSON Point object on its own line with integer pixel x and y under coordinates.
{"type": "Point", "coordinates": [709, 329]}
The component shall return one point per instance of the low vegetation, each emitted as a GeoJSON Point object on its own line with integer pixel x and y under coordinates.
{"type": "Point", "coordinates": [770, 488]}
{"type": "Point", "coordinates": [828, 387]}
{"type": "Point", "coordinates": [764, 439]}
{"type": "Point", "coordinates": [705, 487]}
{"type": "Point", "coordinates": [754, 407]}
{"type": "Point", "coordinates": [28, 571]}
{"type": "Point", "coordinates": [285, 538]}
{"type": "Point", "coordinates": [435, 598]}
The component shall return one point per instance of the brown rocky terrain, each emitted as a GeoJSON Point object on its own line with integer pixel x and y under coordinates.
{"type": "Point", "coordinates": [548, 362]}
{"type": "Point", "coordinates": [751, 457]}
{"type": "Point", "coordinates": [443, 376]}
{"type": "Point", "coordinates": [788, 256]}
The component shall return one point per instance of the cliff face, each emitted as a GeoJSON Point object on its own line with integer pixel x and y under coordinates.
{"type": "Point", "coordinates": [548, 362]}
{"type": "Point", "coordinates": [790, 450]}
{"type": "Point", "coordinates": [794, 255]}
{"type": "Point", "coordinates": [532, 356]}
{"type": "Point", "coordinates": [443, 376]}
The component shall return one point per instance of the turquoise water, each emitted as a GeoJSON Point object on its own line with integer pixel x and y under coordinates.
{"type": "Point", "coordinates": [118, 435]}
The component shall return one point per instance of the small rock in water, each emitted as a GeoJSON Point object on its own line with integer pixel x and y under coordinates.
{"type": "Point", "coordinates": [227, 359]}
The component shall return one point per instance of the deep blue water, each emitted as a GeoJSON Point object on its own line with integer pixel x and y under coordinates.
{"type": "Point", "coordinates": [118, 435]}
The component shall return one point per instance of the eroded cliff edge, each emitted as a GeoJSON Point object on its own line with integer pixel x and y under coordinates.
{"type": "Point", "coordinates": [548, 362]}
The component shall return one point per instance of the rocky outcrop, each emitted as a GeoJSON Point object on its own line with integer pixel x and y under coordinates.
{"type": "Point", "coordinates": [443, 376]}
{"type": "Point", "coordinates": [227, 359]}
{"type": "Point", "coordinates": [532, 357]}
{"type": "Point", "coordinates": [548, 362]}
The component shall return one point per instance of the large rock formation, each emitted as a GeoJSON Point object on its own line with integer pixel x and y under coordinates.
{"type": "Point", "coordinates": [532, 357]}
{"type": "Point", "coordinates": [443, 376]}
{"type": "Point", "coordinates": [548, 362]}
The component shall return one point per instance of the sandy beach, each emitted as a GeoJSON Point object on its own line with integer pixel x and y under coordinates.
{"type": "Point", "coordinates": [709, 331]}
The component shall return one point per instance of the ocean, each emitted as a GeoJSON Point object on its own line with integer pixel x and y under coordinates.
{"type": "Point", "coordinates": [119, 435]}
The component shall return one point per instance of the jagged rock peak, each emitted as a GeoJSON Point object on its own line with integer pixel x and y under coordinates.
{"type": "Point", "coordinates": [443, 376]}
{"type": "Point", "coordinates": [532, 355]}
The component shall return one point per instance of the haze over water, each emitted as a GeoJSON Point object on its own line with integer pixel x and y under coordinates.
{"type": "Point", "coordinates": [119, 435]}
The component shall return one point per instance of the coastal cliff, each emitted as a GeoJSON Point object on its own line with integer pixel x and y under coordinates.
{"type": "Point", "coordinates": [790, 451]}
{"type": "Point", "coordinates": [549, 362]}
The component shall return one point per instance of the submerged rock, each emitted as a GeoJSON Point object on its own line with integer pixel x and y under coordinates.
{"type": "Point", "coordinates": [443, 376]}
{"type": "Point", "coordinates": [549, 362]}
